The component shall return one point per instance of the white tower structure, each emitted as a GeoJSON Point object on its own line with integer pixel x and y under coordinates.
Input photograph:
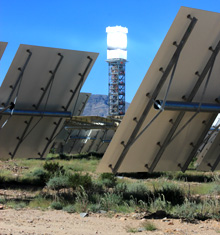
{"type": "Point", "coordinates": [116, 58]}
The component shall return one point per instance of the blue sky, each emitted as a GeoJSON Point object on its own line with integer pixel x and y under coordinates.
{"type": "Point", "coordinates": [81, 25]}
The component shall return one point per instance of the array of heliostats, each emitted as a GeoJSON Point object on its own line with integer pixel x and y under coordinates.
{"type": "Point", "coordinates": [170, 122]}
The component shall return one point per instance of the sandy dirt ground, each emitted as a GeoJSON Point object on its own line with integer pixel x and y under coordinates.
{"type": "Point", "coordinates": [28, 221]}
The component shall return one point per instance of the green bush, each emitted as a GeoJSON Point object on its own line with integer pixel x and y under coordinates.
{"type": "Point", "coordinates": [97, 187]}
{"type": "Point", "coordinates": [69, 209]}
{"type": "Point", "coordinates": [2, 179]}
{"type": "Point", "coordinates": [137, 191]}
{"type": "Point", "coordinates": [56, 205]}
{"type": "Point", "coordinates": [40, 174]}
{"type": "Point", "coordinates": [53, 168]}
{"type": "Point", "coordinates": [172, 193]}
{"type": "Point", "coordinates": [2, 200]}
{"type": "Point", "coordinates": [199, 177]}
{"type": "Point", "coordinates": [76, 180]}
{"type": "Point", "coordinates": [110, 200]}
{"type": "Point", "coordinates": [121, 188]}
{"type": "Point", "coordinates": [82, 200]}
{"type": "Point", "coordinates": [215, 189]}
{"type": "Point", "coordinates": [95, 208]}
{"type": "Point", "coordinates": [39, 202]}
{"type": "Point", "coordinates": [95, 197]}
{"type": "Point", "coordinates": [130, 229]}
{"type": "Point", "coordinates": [160, 204]}
{"type": "Point", "coordinates": [108, 180]}
{"type": "Point", "coordinates": [58, 182]}
{"type": "Point", "coordinates": [148, 226]}
{"type": "Point", "coordinates": [187, 211]}
{"type": "Point", "coordinates": [190, 211]}
{"type": "Point", "coordinates": [16, 205]}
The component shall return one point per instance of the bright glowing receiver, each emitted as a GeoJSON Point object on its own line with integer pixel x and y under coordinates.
{"type": "Point", "coordinates": [116, 42]}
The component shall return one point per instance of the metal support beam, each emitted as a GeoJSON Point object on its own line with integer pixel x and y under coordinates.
{"type": "Point", "coordinates": [79, 112]}
{"type": "Point", "coordinates": [21, 139]}
{"type": "Point", "coordinates": [75, 112]}
{"type": "Point", "coordinates": [79, 83]}
{"type": "Point", "coordinates": [150, 103]}
{"type": "Point", "coordinates": [92, 141]}
{"type": "Point", "coordinates": [215, 163]}
{"type": "Point", "coordinates": [49, 140]}
{"type": "Point", "coordinates": [35, 113]}
{"type": "Point", "coordinates": [198, 143]}
{"type": "Point", "coordinates": [81, 147]}
{"type": "Point", "coordinates": [7, 109]}
{"type": "Point", "coordinates": [19, 79]}
{"type": "Point", "coordinates": [101, 138]}
{"type": "Point", "coordinates": [175, 125]}
{"type": "Point", "coordinates": [73, 143]}
{"type": "Point", "coordinates": [45, 89]}
{"type": "Point", "coordinates": [188, 106]}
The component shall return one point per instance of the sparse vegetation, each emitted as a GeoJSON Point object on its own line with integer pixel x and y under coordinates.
{"type": "Point", "coordinates": [40, 203]}
{"type": "Point", "coordinates": [148, 226]}
{"type": "Point", "coordinates": [129, 229]}
{"type": "Point", "coordinates": [56, 205]}
{"type": "Point", "coordinates": [69, 209]}
{"type": "Point", "coordinates": [171, 193]}
{"type": "Point", "coordinates": [70, 184]}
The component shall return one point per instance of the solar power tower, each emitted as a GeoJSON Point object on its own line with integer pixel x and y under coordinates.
{"type": "Point", "coordinates": [116, 58]}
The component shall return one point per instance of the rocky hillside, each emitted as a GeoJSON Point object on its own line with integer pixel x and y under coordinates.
{"type": "Point", "coordinates": [97, 105]}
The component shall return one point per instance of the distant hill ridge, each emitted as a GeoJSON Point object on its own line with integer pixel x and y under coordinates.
{"type": "Point", "coordinates": [97, 105]}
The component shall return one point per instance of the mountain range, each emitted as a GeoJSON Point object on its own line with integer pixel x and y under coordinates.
{"type": "Point", "coordinates": [97, 105]}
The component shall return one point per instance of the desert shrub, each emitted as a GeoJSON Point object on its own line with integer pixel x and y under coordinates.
{"type": "Point", "coordinates": [95, 197]}
{"type": "Point", "coordinates": [95, 208]}
{"type": "Point", "coordinates": [64, 157]}
{"type": "Point", "coordinates": [216, 178]}
{"type": "Point", "coordinates": [39, 202]}
{"type": "Point", "coordinates": [16, 205]}
{"type": "Point", "coordinates": [76, 180]}
{"type": "Point", "coordinates": [172, 193]}
{"type": "Point", "coordinates": [186, 211]}
{"type": "Point", "coordinates": [53, 168]}
{"type": "Point", "coordinates": [81, 199]}
{"type": "Point", "coordinates": [215, 189]}
{"type": "Point", "coordinates": [210, 209]}
{"type": "Point", "coordinates": [216, 185]}
{"type": "Point", "coordinates": [108, 180]}
{"type": "Point", "coordinates": [125, 207]}
{"type": "Point", "coordinates": [97, 187]}
{"type": "Point", "coordinates": [2, 179]}
{"type": "Point", "coordinates": [58, 182]}
{"type": "Point", "coordinates": [160, 204]}
{"type": "Point", "coordinates": [38, 172]}
{"type": "Point", "coordinates": [137, 191]}
{"type": "Point", "coordinates": [69, 209]}
{"type": "Point", "coordinates": [207, 209]}
{"type": "Point", "coordinates": [40, 175]}
{"type": "Point", "coordinates": [120, 188]}
{"type": "Point", "coordinates": [130, 229]}
{"type": "Point", "coordinates": [2, 200]}
{"type": "Point", "coordinates": [110, 201]}
{"type": "Point", "coordinates": [148, 226]}
{"type": "Point", "coordinates": [140, 205]}
{"type": "Point", "coordinates": [56, 205]}
{"type": "Point", "coordinates": [199, 177]}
